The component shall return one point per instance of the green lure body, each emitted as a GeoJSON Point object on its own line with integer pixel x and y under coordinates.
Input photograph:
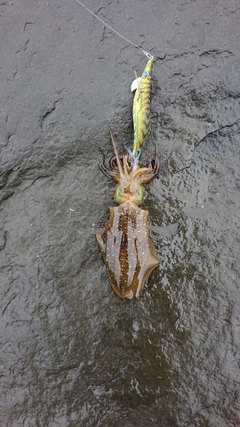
{"type": "Point", "coordinates": [141, 108]}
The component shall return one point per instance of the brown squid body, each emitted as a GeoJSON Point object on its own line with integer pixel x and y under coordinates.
{"type": "Point", "coordinates": [127, 250]}
{"type": "Point", "coordinates": [125, 244]}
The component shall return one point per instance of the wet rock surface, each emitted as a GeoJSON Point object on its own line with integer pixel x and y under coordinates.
{"type": "Point", "coordinates": [72, 352]}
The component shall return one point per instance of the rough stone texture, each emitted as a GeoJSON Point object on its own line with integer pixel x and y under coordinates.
{"type": "Point", "coordinates": [72, 353]}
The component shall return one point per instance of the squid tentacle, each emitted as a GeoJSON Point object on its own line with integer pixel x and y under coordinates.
{"type": "Point", "coordinates": [109, 173]}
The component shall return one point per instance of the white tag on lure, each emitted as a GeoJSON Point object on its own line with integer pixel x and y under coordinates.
{"type": "Point", "coordinates": [135, 84]}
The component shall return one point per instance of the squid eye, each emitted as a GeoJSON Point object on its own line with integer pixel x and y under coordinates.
{"type": "Point", "coordinates": [118, 196]}
{"type": "Point", "coordinates": [139, 195]}
{"type": "Point", "coordinates": [145, 74]}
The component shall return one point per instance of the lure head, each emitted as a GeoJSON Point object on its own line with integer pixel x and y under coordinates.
{"type": "Point", "coordinates": [148, 69]}
{"type": "Point", "coordinates": [147, 73]}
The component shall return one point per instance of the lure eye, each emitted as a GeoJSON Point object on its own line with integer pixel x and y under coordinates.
{"type": "Point", "coordinates": [145, 74]}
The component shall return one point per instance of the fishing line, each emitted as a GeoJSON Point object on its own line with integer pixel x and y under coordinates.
{"type": "Point", "coordinates": [148, 55]}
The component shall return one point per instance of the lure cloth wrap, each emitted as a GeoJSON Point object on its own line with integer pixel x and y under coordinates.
{"type": "Point", "coordinates": [141, 108]}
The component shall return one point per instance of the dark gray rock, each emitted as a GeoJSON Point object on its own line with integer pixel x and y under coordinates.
{"type": "Point", "coordinates": [72, 353]}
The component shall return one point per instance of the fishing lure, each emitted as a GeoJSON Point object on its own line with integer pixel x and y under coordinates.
{"type": "Point", "coordinates": [128, 252]}
{"type": "Point", "coordinates": [141, 106]}
{"type": "Point", "coordinates": [142, 85]}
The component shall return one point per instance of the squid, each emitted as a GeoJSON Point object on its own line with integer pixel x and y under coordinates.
{"type": "Point", "coordinates": [127, 249]}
